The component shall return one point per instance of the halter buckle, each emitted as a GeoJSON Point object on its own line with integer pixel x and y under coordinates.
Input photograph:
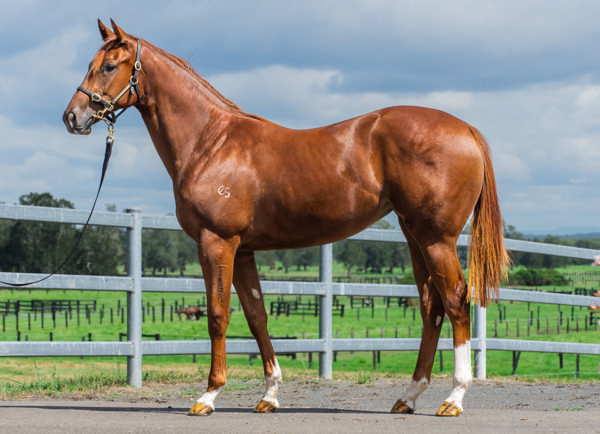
{"type": "Point", "coordinates": [110, 139]}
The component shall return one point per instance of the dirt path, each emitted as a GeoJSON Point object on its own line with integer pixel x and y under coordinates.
{"type": "Point", "coordinates": [323, 406]}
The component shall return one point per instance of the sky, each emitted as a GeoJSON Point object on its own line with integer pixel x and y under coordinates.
{"type": "Point", "coordinates": [526, 73]}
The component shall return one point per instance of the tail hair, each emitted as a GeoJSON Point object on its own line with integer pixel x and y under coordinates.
{"type": "Point", "coordinates": [488, 259]}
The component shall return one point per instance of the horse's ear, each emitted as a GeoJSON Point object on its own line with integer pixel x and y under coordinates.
{"type": "Point", "coordinates": [121, 35]}
{"type": "Point", "coordinates": [104, 31]}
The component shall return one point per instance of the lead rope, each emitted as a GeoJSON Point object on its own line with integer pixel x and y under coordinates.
{"type": "Point", "coordinates": [110, 140]}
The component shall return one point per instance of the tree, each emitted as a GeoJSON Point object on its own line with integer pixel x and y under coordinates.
{"type": "Point", "coordinates": [286, 257]}
{"type": "Point", "coordinates": [5, 226]}
{"type": "Point", "coordinates": [164, 251]}
{"type": "Point", "coordinates": [187, 251]}
{"type": "Point", "coordinates": [375, 251]}
{"type": "Point", "coordinates": [266, 258]}
{"type": "Point", "coordinates": [100, 251]}
{"type": "Point", "coordinates": [397, 256]}
{"type": "Point", "coordinates": [351, 254]}
{"type": "Point", "coordinates": [158, 251]}
{"type": "Point", "coordinates": [37, 247]}
{"type": "Point", "coordinates": [305, 257]}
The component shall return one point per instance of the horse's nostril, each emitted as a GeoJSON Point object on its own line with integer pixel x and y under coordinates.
{"type": "Point", "coordinates": [70, 119]}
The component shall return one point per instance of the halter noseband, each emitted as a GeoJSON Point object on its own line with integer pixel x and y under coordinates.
{"type": "Point", "coordinates": [107, 114]}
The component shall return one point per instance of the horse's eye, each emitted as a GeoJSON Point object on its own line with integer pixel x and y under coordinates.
{"type": "Point", "coordinates": [109, 67]}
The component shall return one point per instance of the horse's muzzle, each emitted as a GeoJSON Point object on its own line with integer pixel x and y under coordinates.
{"type": "Point", "coordinates": [77, 125]}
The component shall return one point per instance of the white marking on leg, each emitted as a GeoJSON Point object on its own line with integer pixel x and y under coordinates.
{"type": "Point", "coordinates": [272, 385]}
{"type": "Point", "coordinates": [438, 320]}
{"type": "Point", "coordinates": [414, 390]}
{"type": "Point", "coordinates": [208, 399]}
{"type": "Point", "coordinates": [463, 377]}
{"type": "Point", "coordinates": [256, 293]}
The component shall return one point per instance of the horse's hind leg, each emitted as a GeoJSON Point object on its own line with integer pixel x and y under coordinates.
{"type": "Point", "coordinates": [432, 315]}
{"type": "Point", "coordinates": [447, 276]}
{"type": "Point", "coordinates": [247, 286]}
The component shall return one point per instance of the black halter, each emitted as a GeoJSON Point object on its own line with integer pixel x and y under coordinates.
{"type": "Point", "coordinates": [107, 114]}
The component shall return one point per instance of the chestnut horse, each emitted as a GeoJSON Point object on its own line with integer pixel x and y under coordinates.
{"type": "Point", "coordinates": [242, 184]}
{"type": "Point", "coordinates": [191, 311]}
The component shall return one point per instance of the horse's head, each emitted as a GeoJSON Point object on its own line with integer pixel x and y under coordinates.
{"type": "Point", "coordinates": [111, 82]}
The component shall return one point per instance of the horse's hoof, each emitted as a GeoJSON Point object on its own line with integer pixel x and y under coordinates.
{"type": "Point", "coordinates": [200, 409]}
{"type": "Point", "coordinates": [402, 407]}
{"type": "Point", "coordinates": [449, 409]}
{"type": "Point", "coordinates": [265, 407]}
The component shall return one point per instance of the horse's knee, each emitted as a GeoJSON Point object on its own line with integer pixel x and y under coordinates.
{"type": "Point", "coordinates": [218, 322]}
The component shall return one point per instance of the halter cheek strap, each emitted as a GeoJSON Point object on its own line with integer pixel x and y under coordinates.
{"type": "Point", "coordinates": [108, 114]}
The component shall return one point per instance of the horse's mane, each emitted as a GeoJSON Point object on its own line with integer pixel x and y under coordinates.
{"type": "Point", "coordinates": [187, 67]}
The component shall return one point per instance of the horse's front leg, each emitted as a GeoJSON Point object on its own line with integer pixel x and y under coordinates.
{"type": "Point", "coordinates": [247, 286]}
{"type": "Point", "coordinates": [216, 258]}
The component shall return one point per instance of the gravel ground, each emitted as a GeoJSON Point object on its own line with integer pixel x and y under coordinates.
{"type": "Point", "coordinates": [321, 406]}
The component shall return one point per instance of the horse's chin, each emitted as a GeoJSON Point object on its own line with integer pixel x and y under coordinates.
{"type": "Point", "coordinates": [86, 127]}
{"type": "Point", "coordinates": [81, 131]}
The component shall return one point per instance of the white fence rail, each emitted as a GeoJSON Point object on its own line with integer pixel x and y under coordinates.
{"type": "Point", "coordinates": [134, 284]}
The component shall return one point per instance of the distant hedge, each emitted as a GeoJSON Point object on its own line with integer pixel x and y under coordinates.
{"type": "Point", "coordinates": [536, 277]}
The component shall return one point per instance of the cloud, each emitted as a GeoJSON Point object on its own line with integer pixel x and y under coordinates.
{"type": "Point", "coordinates": [47, 158]}
{"type": "Point", "coordinates": [544, 137]}
{"type": "Point", "coordinates": [521, 72]}
{"type": "Point", "coordinates": [310, 97]}
{"type": "Point", "coordinates": [260, 90]}
{"type": "Point", "coordinates": [32, 81]}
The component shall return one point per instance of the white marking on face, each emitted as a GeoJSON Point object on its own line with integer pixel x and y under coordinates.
{"type": "Point", "coordinates": [414, 390]}
{"type": "Point", "coordinates": [256, 293]}
{"type": "Point", "coordinates": [208, 398]}
{"type": "Point", "coordinates": [463, 376]}
{"type": "Point", "coordinates": [438, 320]}
{"type": "Point", "coordinates": [224, 191]}
{"type": "Point", "coordinates": [272, 385]}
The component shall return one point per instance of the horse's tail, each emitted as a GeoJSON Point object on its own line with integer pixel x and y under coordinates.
{"type": "Point", "coordinates": [488, 259]}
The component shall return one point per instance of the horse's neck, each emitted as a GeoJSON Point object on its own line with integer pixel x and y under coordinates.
{"type": "Point", "coordinates": [181, 114]}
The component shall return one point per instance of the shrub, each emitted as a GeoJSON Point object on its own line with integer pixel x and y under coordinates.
{"type": "Point", "coordinates": [536, 277]}
{"type": "Point", "coordinates": [407, 279]}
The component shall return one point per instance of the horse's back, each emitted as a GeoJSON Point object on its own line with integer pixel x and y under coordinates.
{"type": "Point", "coordinates": [279, 187]}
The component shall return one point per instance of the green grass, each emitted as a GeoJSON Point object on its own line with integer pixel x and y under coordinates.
{"type": "Point", "coordinates": [59, 375]}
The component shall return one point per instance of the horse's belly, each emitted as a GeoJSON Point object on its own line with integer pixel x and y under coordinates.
{"type": "Point", "coordinates": [325, 220]}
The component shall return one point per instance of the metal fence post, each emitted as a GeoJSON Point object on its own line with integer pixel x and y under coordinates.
{"type": "Point", "coordinates": [479, 329]}
{"type": "Point", "coordinates": [325, 311]}
{"type": "Point", "coordinates": [134, 298]}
